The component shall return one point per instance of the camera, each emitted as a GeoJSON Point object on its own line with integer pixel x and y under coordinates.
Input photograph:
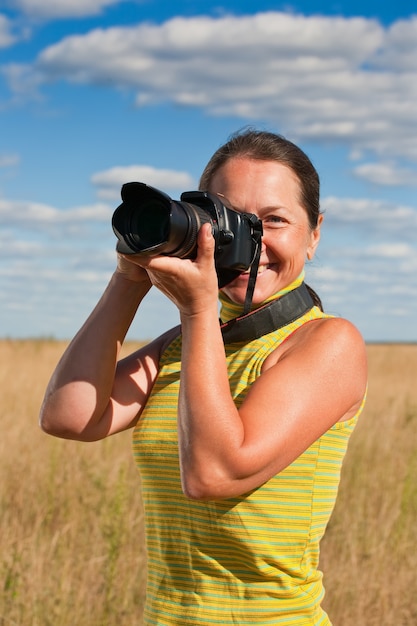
{"type": "Point", "coordinates": [150, 223]}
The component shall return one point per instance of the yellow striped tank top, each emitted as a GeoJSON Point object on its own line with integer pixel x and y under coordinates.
{"type": "Point", "coordinates": [246, 560]}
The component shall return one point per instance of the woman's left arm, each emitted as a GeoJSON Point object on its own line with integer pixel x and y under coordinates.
{"type": "Point", "coordinates": [318, 377]}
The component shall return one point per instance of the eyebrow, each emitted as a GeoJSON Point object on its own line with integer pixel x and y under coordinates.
{"type": "Point", "coordinates": [275, 207]}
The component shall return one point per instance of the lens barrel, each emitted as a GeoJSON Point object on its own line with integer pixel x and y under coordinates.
{"type": "Point", "coordinates": [148, 222]}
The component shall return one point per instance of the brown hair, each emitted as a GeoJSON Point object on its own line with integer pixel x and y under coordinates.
{"type": "Point", "coordinates": [267, 146]}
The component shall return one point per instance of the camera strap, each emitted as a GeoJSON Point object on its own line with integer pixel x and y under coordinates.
{"type": "Point", "coordinates": [257, 240]}
{"type": "Point", "coordinates": [269, 317]}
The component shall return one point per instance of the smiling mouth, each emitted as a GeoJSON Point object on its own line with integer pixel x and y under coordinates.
{"type": "Point", "coordinates": [261, 269]}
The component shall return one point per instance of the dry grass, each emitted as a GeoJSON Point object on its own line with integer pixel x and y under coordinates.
{"type": "Point", "coordinates": [368, 553]}
{"type": "Point", "coordinates": [71, 542]}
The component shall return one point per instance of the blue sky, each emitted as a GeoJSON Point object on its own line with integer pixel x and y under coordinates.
{"type": "Point", "coordinates": [94, 93]}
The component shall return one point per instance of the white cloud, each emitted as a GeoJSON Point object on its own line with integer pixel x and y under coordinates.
{"type": "Point", "coordinates": [372, 217]}
{"type": "Point", "coordinates": [366, 260]}
{"type": "Point", "coordinates": [386, 174]}
{"type": "Point", "coordinates": [7, 38]}
{"type": "Point", "coordinates": [109, 182]}
{"type": "Point", "coordinates": [31, 221]}
{"type": "Point", "coordinates": [401, 40]}
{"type": "Point", "coordinates": [49, 9]}
{"type": "Point", "coordinates": [316, 77]}
{"type": "Point", "coordinates": [30, 213]}
{"type": "Point", "coordinates": [24, 81]}
{"type": "Point", "coordinates": [371, 279]}
{"type": "Point", "coordinates": [393, 251]}
{"type": "Point", "coordinates": [9, 160]}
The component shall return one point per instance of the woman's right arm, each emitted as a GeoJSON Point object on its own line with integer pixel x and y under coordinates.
{"type": "Point", "coordinates": [91, 395]}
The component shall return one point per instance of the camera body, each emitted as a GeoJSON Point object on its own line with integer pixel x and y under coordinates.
{"type": "Point", "coordinates": [150, 223]}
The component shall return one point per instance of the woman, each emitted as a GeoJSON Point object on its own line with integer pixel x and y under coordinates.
{"type": "Point", "coordinates": [239, 445]}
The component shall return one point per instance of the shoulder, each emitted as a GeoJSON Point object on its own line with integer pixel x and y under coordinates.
{"type": "Point", "coordinates": [323, 362]}
{"type": "Point", "coordinates": [335, 331]}
{"type": "Point", "coordinates": [331, 339]}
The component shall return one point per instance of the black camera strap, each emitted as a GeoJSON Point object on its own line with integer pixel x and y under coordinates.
{"type": "Point", "coordinates": [257, 241]}
{"type": "Point", "coordinates": [269, 317]}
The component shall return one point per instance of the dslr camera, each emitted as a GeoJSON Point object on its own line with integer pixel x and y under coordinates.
{"type": "Point", "coordinates": [149, 222]}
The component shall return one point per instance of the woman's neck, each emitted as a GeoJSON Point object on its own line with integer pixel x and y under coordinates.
{"type": "Point", "coordinates": [229, 309]}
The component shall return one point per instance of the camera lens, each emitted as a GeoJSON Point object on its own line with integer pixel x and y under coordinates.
{"type": "Point", "coordinates": [149, 225]}
{"type": "Point", "coordinates": [149, 222]}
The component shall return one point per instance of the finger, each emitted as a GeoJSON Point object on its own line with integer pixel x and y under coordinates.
{"type": "Point", "coordinates": [206, 241]}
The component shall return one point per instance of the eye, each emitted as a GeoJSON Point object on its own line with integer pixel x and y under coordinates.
{"type": "Point", "coordinates": [273, 221]}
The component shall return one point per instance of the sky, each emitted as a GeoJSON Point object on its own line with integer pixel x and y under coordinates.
{"type": "Point", "coordinates": [96, 93]}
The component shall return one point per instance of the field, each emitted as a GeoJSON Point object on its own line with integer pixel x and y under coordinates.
{"type": "Point", "coordinates": [71, 537]}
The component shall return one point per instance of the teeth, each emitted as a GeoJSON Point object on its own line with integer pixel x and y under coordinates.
{"type": "Point", "coordinates": [261, 269]}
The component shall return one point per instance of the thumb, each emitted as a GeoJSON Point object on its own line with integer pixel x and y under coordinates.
{"type": "Point", "coordinates": [206, 241]}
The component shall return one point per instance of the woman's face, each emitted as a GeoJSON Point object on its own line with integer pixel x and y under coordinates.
{"type": "Point", "coordinates": [271, 191]}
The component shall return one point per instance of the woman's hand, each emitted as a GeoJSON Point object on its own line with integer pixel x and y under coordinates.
{"type": "Point", "coordinates": [191, 284]}
{"type": "Point", "coordinates": [128, 267]}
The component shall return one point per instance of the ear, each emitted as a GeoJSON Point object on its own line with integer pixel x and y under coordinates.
{"type": "Point", "coordinates": [314, 239]}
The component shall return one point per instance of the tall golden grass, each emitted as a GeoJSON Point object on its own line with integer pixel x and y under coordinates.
{"type": "Point", "coordinates": [71, 535]}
